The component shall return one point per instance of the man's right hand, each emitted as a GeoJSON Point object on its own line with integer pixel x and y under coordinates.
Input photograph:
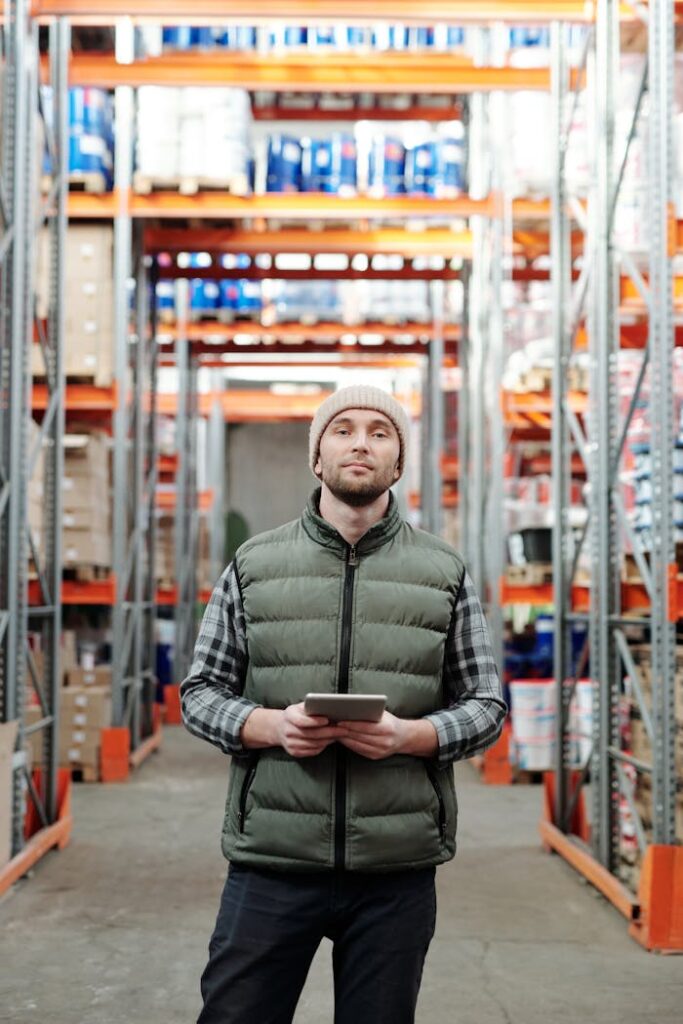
{"type": "Point", "coordinates": [301, 735]}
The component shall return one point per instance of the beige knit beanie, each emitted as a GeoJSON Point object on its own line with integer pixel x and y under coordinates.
{"type": "Point", "coordinates": [358, 396]}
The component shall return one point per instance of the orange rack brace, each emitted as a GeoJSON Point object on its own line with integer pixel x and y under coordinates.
{"type": "Point", "coordinates": [41, 840]}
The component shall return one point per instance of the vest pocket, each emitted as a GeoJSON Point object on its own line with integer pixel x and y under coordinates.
{"type": "Point", "coordinates": [244, 793]}
{"type": "Point", "coordinates": [436, 786]}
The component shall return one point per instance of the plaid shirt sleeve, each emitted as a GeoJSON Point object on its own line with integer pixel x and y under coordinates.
{"type": "Point", "coordinates": [211, 697]}
{"type": "Point", "coordinates": [473, 717]}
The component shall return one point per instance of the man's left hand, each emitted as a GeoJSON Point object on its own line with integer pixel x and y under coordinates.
{"type": "Point", "coordinates": [391, 735]}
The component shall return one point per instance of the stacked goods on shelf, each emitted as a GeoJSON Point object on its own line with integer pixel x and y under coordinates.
{"type": "Point", "coordinates": [164, 552]}
{"type": "Point", "coordinates": [86, 485]}
{"type": "Point", "coordinates": [534, 731]}
{"type": "Point", "coordinates": [91, 139]}
{"type": "Point", "coordinates": [640, 745]}
{"type": "Point", "coordinates": [320, 38]}
{"type": "Point", "coordinates": [84, 705]}
{"type": "Point", "coordinates": [8, 739]}
{"type": "Point", "coordinates": [88, 302]}
{"type": "Point", "coordinates": [422, 163]}
{"type": "Point", "coordinates": [83, 713]}
{"type": "Point", "coordinates": [36, 494]}
{"type": "Point", "coordinates": [193, 138]}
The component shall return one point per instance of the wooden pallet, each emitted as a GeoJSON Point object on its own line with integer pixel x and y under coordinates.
{"type": "Point", "coordinates": [87, 573]}
{"type": "Point", "coordinates": [84, 772]}
{"type": "Point", "coordinates": [235, 184]}
{"type": "Point", "coordinates": [530, 575]}
{"type": "Point", "coordinates": [88, 181]}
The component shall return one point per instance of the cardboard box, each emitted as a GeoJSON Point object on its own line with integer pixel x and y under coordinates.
{"type": "Point", "coordinates": [95, 700]}
{"type": "Point", "coordinates": [87, 678]}
{"type": "Point", "coordinates": [85, 547]}
{"type": "Point", "coordinates": [89, 252]}
{"type": "Point", "coordinates": [86, 455]}
{"type": "Point", "coordinates": [8, 739]}
{"type": "Point", "coordinates": [86, 492]}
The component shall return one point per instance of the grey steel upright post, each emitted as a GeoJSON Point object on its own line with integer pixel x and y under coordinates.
{"type": "Point", "coordinates": [464, 457]}
{"type": "Point", "coordinates": [122, 512]}
{"type": "Point", "coordinates": [47, 614]}
{"type": "Point", "coordinates": [435, 418]}
{"type": "Point", "coordinates": [183, 563]}
{"type": "Point", "coordinates": [14, 413]}
{"type": "Point", "coordinates": [216, 464]}
{"type": "Point", "coordinates": [661, 341]}
{"type": "Point", "coordinates": [603, 345]}
{"type": "Point", "coordinates": [561, 448]}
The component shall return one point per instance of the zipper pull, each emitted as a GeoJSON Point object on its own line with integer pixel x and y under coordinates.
{"type": "Point", "coordinates": [352, 560]}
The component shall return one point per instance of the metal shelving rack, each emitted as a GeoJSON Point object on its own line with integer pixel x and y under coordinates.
{"type": "Point", "coordinates": [40, 804]}
{"type": "Point", "coordinates": [135, 453]}
{"type": "Point", "coordinates": [593, 847]}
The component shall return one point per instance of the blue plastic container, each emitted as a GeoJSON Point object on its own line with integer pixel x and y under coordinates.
{"type": "Point", "coordinates": [386, 171]}
{"type": "Point", "coordinates": [205, 297]}
{"type": "Point", "coordinates": [238, 37]}
{"type": "Point", "coordinates": [422, 169]}
{"type": "Point", "coordinates": [287, 36]}
{"type": "Point", "coordinates": [249, 299]}
{"type": "Point", "coordinates": [450, 168]}
{"type": "Point", "coordinates": [284, 164]}
{"type": "Point", "coordinates": [390, 37]}
{"type": "Point", "coordinates": [520, 37]}
{"type": "Point", "coordinates": [329, 165]}
{"type": "Point", "coordinates": [202, 37]}
{"type": "Point", "coordinates": [421, 38]}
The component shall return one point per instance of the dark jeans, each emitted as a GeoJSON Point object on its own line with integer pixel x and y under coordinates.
{"type": "Point", "coordinates": [270, 924]}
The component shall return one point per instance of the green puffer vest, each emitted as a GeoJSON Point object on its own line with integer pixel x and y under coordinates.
{"type": "Point", "coordinates": [322, 616]}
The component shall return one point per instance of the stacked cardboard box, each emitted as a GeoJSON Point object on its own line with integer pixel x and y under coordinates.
{"type": "Point", "coordinates": [164, 555]}
{"type": "Point", "coordinates": [88, 302]}
{"type": "Point", "coordinates": [83, 713]}
{"type": "Point", "coordinates": [641, 747]}
{"type": "Point", "coordinates": [8, 736]}
{"type": "Point", "coordinates": [86, 537]}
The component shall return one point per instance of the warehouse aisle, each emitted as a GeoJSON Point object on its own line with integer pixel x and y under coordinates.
{"type": "Point", "coordinates": [130, 905]}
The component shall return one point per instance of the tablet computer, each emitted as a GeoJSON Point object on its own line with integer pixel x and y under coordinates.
{"type": "Point", "coordinates": [346, 707]}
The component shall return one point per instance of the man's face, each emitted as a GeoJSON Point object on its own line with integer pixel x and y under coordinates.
{"type": "Point", "coordinates": [359, 452]}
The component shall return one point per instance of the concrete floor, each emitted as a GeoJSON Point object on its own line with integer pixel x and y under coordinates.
{"type": "Point", "coordinates": [114, 929]}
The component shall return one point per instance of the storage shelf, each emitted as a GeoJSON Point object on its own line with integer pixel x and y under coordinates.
{"type": "Point", "coordinates": [97, 592]}
{"type": "Point", "coordinates": [214, 333]}
{"type": "Point", "coordinates": [380, 73]}
{"type": "Point", "coordinates": [633, 597]}
{"type": "Point", "coordinates": [259, 406]}
{"type": "Point", "coordinates": [168, 596]}
{"type": "Point", "coordinates": [414, 112]}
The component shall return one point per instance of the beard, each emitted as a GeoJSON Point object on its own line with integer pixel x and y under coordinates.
{"type": "Point", "coordinates": [357, 492]}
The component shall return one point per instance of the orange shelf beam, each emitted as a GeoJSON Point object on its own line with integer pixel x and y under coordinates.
{"type": "Point", "coordinates": [98, 592]}
{"type": "Point", "coordinates": [78, 398]}
{"type": "Point", "coordinates": [321, 332]}
{"type": "Point", "coordinates": [414, 73]}
{"type": "Point", "coordinates": [415, 112]}
{"type": "Point", "coordinates": [254, 406]}
{"type": "Point", "coordinates": [435, 242]}
{"type": "Point", "coordinates": [290, 206]}
{"type": "Point", "coordinates": [44, 840]}
{"type": "Point", "coordinates": [302, 206]}
{"type": "Point", "coordinates": [104, 12]}
{"type": "Point", "coordinates": [169, 596]}
{"type": "Point", "coordinates": [166, 500]}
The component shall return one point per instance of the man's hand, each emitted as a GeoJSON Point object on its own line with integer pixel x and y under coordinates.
{"type": "Point", "coordinates": [300, 734]}
{"type": "Point", "coordinates": [391, 735]}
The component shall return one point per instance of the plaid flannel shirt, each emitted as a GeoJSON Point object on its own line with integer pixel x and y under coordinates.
{"type": "Point", "coordinates": [215, 710]}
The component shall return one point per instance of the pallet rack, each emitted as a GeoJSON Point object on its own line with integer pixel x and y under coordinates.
{"type": "Point", "coordinates": [480, 347]}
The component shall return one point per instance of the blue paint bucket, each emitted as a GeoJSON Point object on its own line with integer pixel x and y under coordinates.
{"type": "Point", "coordinates": [284, 164]}
{"type": "Point", "coordinates": [249, 300]}
{"type": "Point", "coordinates": [202, 37]}
{"type": "Point", "coordinates": [229, 290]}
{"type": "Point", "coordinates": [329, 165]}
{"type": "Point", "coordinates": [386, 170]}
{"type": "Point", "coordinates": [165, 295]}
{"type": "Point", "coordinates": [421, 38]}
{"type": "Point", "coordinates": [238, 37]}
{"type": "Point", "coordinates": [287, 36]}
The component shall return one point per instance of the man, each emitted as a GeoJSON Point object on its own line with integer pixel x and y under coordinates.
{"type": "Point", "coordinates": [334, 829]}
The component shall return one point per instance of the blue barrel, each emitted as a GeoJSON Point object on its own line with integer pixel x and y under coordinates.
{"type": "Point", "coordinates": [286, 36]}
{"type": "Point", "coordinates": [421, 169]}
{"type": "Point", "coordinates": [229, 292]}
{"type": "Point", "coordinates": [249, 299]}
{"type": "Point", "coordinates": [455, 37]}
{"type": "Point", "coordinates": [421, 38]}
{"type": "Point", "coordinates": [529, 37]}
{"type": "Point", "coordinates": [205, 297]}
{"type": "Point", "coordinates": [89, 131]}
{"type": "Point", "coordinates": [450, 168]}
{"type": "Point", "coordinates": [386, 171]}
{"type": "Point", "coordinates": [238, 37]}
{"type": "Point", "coordinates": [329, 165]}
{"type": "Point", "coordinates": [165, 295]}
{"type": "Point", "coordinates": [284, 164]}
{"type": "Point", "coordinates": [202, 37]}
{"type": "Point", "coordinates": [390, 37]}
{"type": "Point", "coordinates": [178, 38]}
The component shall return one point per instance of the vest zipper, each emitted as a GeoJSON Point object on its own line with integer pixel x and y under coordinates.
{"type": "Point", "coordinates": [246, 786]}
{"type": "Point", "coordinates": [343, 687]}
{"type": "Point", "coordinates": [439, 795]}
